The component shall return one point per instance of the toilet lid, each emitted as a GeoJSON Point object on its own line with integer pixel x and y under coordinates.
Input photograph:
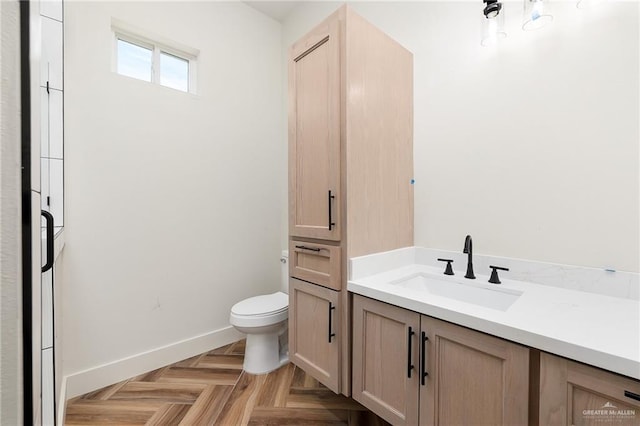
{"type": "Point", "coordinates": [267, 304]}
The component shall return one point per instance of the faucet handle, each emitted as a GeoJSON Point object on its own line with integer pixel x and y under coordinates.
{"type": "Point", "coordinates": [448, 270]}
{"type": "Point", "coordinates": [494, 279]}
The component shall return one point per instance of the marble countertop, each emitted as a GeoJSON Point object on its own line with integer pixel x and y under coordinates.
{"type": "Point", "coordinates": [596, 329]}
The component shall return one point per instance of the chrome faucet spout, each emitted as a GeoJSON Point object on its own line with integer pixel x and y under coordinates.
{"type": "Point", "coordinates": [468, 249]}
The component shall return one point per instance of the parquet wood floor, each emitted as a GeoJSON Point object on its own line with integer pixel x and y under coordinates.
{"type": "Point", "coordinates": [212, 389]}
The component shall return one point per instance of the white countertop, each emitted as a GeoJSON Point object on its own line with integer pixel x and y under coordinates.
{"type": "Point", "coordinates": [595, 329]}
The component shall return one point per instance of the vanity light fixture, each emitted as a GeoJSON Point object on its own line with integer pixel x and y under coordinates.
{"type": "Point", "coordinates": [492, 23]}
{"type": "Point", "coordinates": [588, 4]}
{"type": "Point", "coordinates": [536, 14]}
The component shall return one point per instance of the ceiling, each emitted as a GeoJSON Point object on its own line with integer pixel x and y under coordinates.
{"type": "Point", "coordinates": [278, 10]}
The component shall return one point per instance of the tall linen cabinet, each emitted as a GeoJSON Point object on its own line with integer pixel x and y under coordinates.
{"type": "Point", "coordinates": [350, 178]}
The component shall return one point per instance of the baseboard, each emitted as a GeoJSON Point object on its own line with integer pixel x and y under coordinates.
{"type": "Point", "coordinates": [62, 402]}
{"type": "Point", "coordinates": [104, 375]}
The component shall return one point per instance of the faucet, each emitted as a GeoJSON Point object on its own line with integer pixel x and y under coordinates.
{"type": "Point", "coordinates": [468, 249]}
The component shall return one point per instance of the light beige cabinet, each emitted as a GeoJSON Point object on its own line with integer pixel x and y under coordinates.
{"type": "Point", "coordinates": [316, 263]}
{"type": "Point", "coordinates": [413, 369]}
{"type": "Point", "coordinates": [473, 378]}
{"type": "Point", "coordinates": [314, 134]}
{"type": "Point", "coordinates": [350, 164]}
{"type": "Point", "coordinates": [385, 360]}
{"type": "Point", "coordinates": [571, 393]}
{"type": "Point", "coordinates": [313, 318]}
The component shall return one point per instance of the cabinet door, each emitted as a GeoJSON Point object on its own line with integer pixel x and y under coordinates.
{"type": "Point", "coordinates": [314, 135]}
{"type": "Point", "coordinates": [385, 360]}
{"type": "Point", "coordinates": [576, 394]}
{"type": "Point", "coordinates": [473, 378]}
{"type": "Point", "coordinates": [314, 324]}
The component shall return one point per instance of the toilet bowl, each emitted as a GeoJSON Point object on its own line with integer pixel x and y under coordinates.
{"type": "Point", "coordinates": [264, 320]}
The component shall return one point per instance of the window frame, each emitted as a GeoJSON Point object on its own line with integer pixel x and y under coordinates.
{"type": "Point", "coordinates": [157, 45]}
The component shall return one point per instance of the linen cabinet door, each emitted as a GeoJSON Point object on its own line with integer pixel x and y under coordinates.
{"type": "Point", "coordinates": [472, 378]}
{"type": "Point", "coordinates": [314, 323]}
{"type": "Point", "coordinates": [385, 360]}
{"type": "Point", "coordinates": [314, 135]}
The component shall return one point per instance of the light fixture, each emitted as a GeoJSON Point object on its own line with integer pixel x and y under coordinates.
{"type": "Point", "coordinates": [492, 8]}
{"type": "Point", "coordinates": [588, 4]}
{"type": "Point", "coordinates": [536, 15]}
{"type": "Point", "coordinates": [492, 23]}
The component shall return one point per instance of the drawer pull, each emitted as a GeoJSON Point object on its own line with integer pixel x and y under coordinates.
{"type": "Point", "coordinates": [308, 248]}
{"type": "Point", "coordinates": [410, 365]}
{"type": "Point", "coordinates": [423, 360]}
{"type": "Point", "coordinates": [632, 395]}
{"type": "Point", "coordinates": [331, 308]}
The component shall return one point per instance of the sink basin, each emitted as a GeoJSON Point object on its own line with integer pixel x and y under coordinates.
{"type": "Point", "coordinates": [487, 295]}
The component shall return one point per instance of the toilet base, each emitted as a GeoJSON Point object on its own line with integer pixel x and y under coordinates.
{"type": "Point", "coordinates": [263, 353]}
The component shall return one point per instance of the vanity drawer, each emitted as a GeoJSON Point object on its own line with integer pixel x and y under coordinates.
{"type": "Point", "coordinates": [316, 263]}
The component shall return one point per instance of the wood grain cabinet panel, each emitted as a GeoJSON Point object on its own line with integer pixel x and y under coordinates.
{"type": "Point", "coordinates": [350, 154]}
{"type": "Point", "coordinates": [313, 331]}
{"type": "Point", "coordinates": [316, 263]}
{"type": "Point", "coordinates": [314, 135]}
{"type": "Point", "coordinates": [572, 393]}
{"type": "Point", "coordinates": [459, 376]}
{"type": "Point", "coordinates": [385, 360]}
{"type": "Point", "coordinates": [473, 378]}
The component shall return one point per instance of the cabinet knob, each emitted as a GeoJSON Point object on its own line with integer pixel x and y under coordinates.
{"type": "Point", "coordinates": [632, 395]}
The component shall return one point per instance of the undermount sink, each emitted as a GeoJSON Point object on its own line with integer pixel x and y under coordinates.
{"type": "Point", "coordinates": [480, 294]}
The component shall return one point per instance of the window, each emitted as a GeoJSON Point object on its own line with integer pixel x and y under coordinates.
{"type": "Point", "coordinates": [156, 62]}
{"type": "Point", "coordinates": [134, 61]}
{"type": "Point", "coordinates": [174, 72]}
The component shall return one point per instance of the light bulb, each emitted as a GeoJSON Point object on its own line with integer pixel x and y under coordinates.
{"type": "Point", "coordinates": [492, 30]}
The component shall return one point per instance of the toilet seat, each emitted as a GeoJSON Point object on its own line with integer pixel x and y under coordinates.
{"type": "Point", "coordinates": [260, 311]}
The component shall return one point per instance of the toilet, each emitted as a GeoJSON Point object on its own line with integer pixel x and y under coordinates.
{"type": "Point", "coordinates": [264, 320]}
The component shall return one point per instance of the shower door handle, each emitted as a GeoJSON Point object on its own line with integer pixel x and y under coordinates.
{"type": "Point", "coordinates": [49, 220]}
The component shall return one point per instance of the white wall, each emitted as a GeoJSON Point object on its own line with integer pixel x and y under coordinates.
{"type": "Point", "coordinates": [10, 218]}
{"type": "Point", "coordinates": [172, 200]}
{"type": "Point", "coordinates": [531, 147]}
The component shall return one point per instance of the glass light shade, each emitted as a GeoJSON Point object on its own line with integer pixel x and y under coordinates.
{"type": "Point", "coordinates": [536, 15]}
{"type": "Point", "coordinates": [492, 29]}
{"type": "Point", "coordinates": [588, 4]}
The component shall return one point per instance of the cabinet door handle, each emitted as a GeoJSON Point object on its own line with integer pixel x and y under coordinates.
{"type": "Point", "coordinates": [308, 248]}
{"type": "Point", "coordinates": [49, 219]}
{"type": "Point", "coordinates": [410, 366]}
{"type": "Point", "coordinates": [331, 308]}
{"type": "Point", "coordinates": [331, 222]}
{"type": "Point", "coordinates": [423, 360]}
{"type": "Point", "coordinates": [632, 395]}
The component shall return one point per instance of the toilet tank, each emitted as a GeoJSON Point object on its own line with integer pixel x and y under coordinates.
{"type": "Point", "coordinates": [284, 271]}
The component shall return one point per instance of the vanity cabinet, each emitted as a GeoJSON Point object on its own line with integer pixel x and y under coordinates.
{"type": "Point", "coordinates": [473, 378]}
{"type": "Point", "coordinates": [413, 369]}
{"type": "Point", "coordinates": [350, 173]}
{"type": "Point", "coordinates": [385, 360]}
{"type": "Point", "coordinates": [571, 393]}
{"type": "Point", "coordinates": [313, 331]}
